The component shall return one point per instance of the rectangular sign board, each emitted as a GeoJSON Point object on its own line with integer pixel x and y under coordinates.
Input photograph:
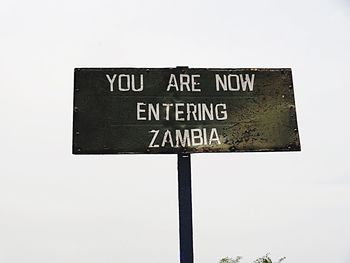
{"type": "Point", "coordinates": [183, 110]}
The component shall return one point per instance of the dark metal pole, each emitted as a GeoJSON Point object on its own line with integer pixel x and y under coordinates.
{"type": "Point", "coordinates": [185, 207]}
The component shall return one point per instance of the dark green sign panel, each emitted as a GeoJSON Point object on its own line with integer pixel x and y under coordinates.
{"type": "Point", "coordinates": [176, 110]}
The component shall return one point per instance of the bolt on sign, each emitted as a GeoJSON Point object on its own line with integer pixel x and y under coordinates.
{"type": "Point", "coordinates": [183, 110]}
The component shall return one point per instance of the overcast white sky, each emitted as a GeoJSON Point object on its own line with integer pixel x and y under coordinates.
{"type": "Point", "coordinates": [56, 207]}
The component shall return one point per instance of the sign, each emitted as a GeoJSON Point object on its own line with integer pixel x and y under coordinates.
{"type": "Point", "coordinates": [183, 110]}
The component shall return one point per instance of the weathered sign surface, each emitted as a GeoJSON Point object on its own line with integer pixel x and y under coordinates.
{"type": "Point", "coordinates": [175, 110]}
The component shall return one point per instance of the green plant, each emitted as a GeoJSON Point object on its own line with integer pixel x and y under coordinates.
{"type": "Point", "coordinates": [267, 259]}
{"type": "Point", "coordinates": [230, 260]}
{"type": "Point", "coordinates": [264, 259]}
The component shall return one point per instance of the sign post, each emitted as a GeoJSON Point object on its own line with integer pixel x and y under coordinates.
{"type": "Point", "coordinates": [182, 111]}
{"type": "Point", "coordinates": [185, 207]}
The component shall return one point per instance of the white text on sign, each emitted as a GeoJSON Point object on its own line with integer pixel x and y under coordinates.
{"type": "Point", "coordinates": [180, 111]}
